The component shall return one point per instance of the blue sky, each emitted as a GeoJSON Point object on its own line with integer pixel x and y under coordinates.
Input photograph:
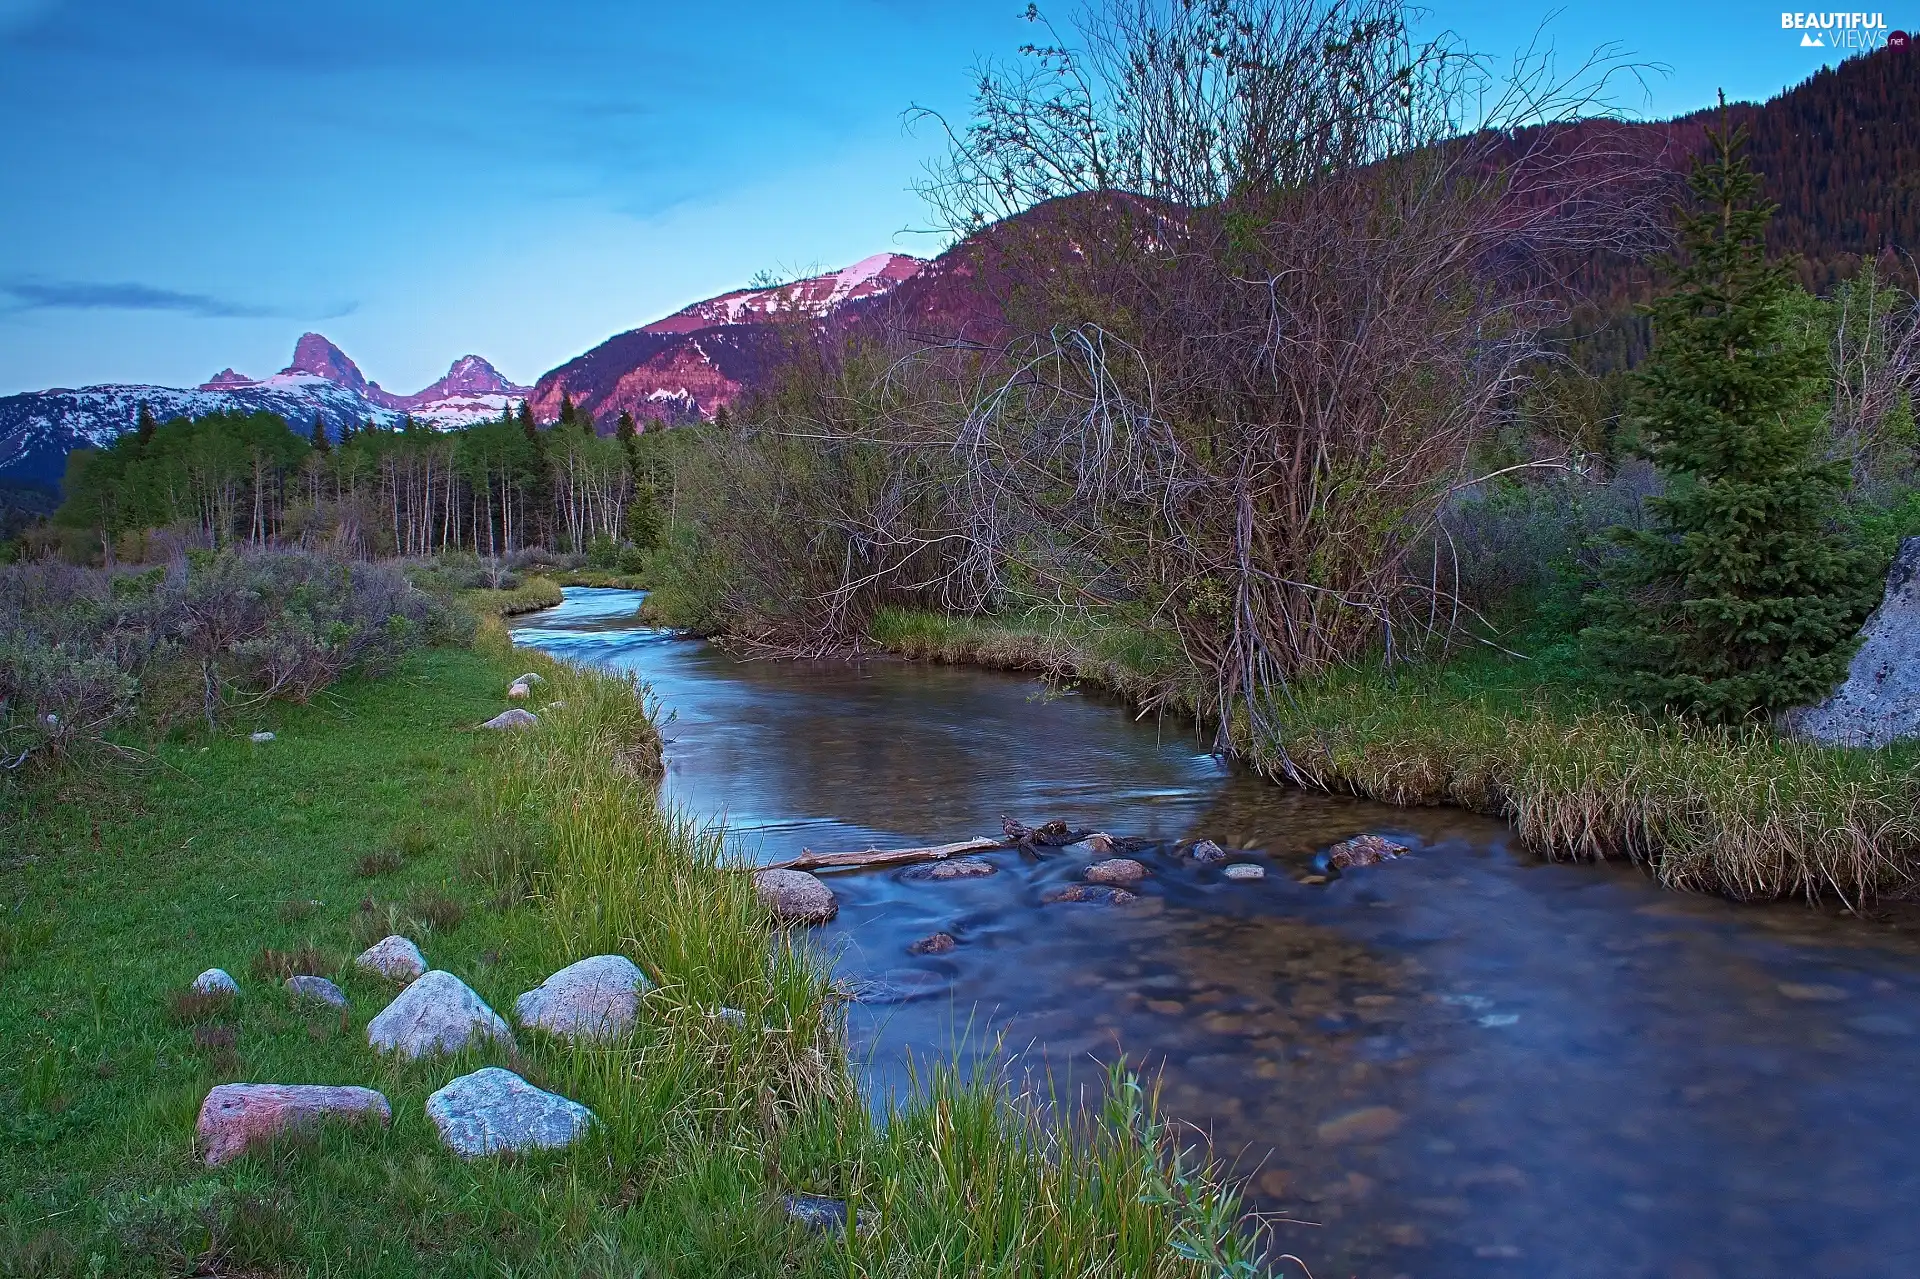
{"type": "Point", "coordinates": [193, 183]}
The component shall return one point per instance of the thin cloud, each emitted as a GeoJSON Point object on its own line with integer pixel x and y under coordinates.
{"type": "Point", "coordinates": [68, 295]}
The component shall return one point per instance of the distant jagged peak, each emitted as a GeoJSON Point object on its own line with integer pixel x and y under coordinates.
{"type": "Point", "coordinates": [314, 354]}
{"type": "Point", "coordinates": [227, 380]}
{"type": "Point", "coordinates": [471, 375]}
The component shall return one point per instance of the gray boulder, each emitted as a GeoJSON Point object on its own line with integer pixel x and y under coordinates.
{"type": "Point", "coordinates": [306, 986]}
{"type": "Point", "coordinates": [595, 998]}
{"type": "Point", "coordinates": [394, 958]}
{"type": "Point", "coordinates": [944, 871]}
{"type": "Point", "coordinates": [1206, 852]}
{"type": "Point", "coordinates": [513, 718]}
{"type": "Point", "coordinates": [795, 897]}
{"type": "Point", "coordinates": [438, 1013]}
{"type": "Point", "coordinates": [234, 1116]}
{"type": "Point", "coordinates": [216, 981]}
{"type": "Point", "coordinates": [1879, 702]}
{"type": "Point", "coordinates": [493, 1110]}
{"type": "Point", "coordinates": [1123, 871]}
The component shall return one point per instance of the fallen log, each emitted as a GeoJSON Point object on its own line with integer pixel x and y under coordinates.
{"type": "Point", "coordinates": [808, 860]}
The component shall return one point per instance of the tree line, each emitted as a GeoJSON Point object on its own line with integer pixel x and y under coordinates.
{"type": "Point", "coordinates": [368, 491]}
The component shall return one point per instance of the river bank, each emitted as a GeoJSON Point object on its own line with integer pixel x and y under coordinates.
{"type": "Point", "coordinates": [377, 808]}
{"type": "Point", "coordinates": [1742, 813]}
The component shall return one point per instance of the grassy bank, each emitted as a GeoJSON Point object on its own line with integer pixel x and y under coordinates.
{"type": "Point", "coordinates": [377, 808]}
{"type": "Point", "coordinates": [1741, 812]}
{"type": "Point", "coordinates": [530, 595]}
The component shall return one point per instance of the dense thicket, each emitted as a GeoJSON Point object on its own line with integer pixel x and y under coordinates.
{"type": "Point", "coordinates": [252, 480]}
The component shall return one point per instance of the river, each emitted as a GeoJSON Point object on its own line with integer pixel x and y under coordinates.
{"type": "Point", "coordinates": [1464, 1062]}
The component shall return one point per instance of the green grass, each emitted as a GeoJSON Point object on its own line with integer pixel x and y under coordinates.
{"type": "Point", "coordinates": [505, 856]}
{"type": "Point", "coordinates": [533, 593]}
{"type": "Point", "coordinates": [1741, 812]}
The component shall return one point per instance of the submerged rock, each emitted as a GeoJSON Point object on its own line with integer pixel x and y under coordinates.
{"type": "Point", "coordinates": [1123, 871]}
{"type": "Point", "coordinates": [596, 998]}
{"type": "Point", "coordinates": [1367, 1124]}
{"type": "Point", "coordinates": [437, 1013]}
{"type": "Point", "coordinates": [235, 1116]}
{"type": "Point", "coordinates": [216, 981]}
{"type": "Point", "coordinates": [307, 986]}
{"type": "Point", "coordinates": [394, 958]}
{"type": "Point", "coordinates": [795, 897]}
{"type": "Point", "coordinates": [956, 868]}
{"type": "Point", "coordinates": [1101, 894]}
{"type": "Point", "coordinates": [1363, 850]}
{"type": "Point", "coordinates": [513, 717]}
{"type": "Point", "coordinates": [1879, 701]}
{"type": "Point", "coordinates": [493, 1110]}
{"type": "Point", "coordinates": [933, 944]}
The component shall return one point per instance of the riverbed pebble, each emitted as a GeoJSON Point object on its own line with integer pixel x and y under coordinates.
{"type": "Point", "coordinates": [438, 1013]}
{"type": "Point", "coordinates": [493, 1110]}
{"type": "Point", "coordinates": [513, 717]}
{"type": "Point", "coordinates": [1206, 853]}
{"type": "Point", "coordinates": [216, 981]}
{"type": "Point", "coordinates": [1102, 894]}
{"type": "Point", "coordinates": [307, 986]}
{"type": "Point", "coordinates": [593, 998]}
{"type": "Point", "coordinates": [795, 897]}
{"type": "Point", "coordinates": [1811, 992]}
{"type": "Point", "coordinates": [395, 958]}
{"type": "Point", "coordinates": [1245, 870]}
{"type": "Point", "coordinates": [235, 1116]}
{"type": "Point", "coordinates": [1367, 1124]}
{"type": "Point", "coordinates": [1123, 871]}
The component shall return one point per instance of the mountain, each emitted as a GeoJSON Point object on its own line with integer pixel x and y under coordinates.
{"type": "Point", "coordinates": [689, 364]}
{"type": "Point", "coordinates": [39, 428]}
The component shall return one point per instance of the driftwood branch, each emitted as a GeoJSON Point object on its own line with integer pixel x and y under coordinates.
{"type": "Point", "coordinates": [808, 860]}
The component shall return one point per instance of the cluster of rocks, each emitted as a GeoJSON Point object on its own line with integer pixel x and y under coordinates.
{"type": "Point", "coordinates": [489, 1110]}
{"type": "Point", "coordinates": [515, 717]}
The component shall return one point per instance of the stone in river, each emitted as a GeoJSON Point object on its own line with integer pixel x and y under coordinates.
{"type": "Point", "coordinates": [1245, 870]}
{"type": "Point", "coordinates": [215, 981]}
{"type": "Point", "coordinates": [236, 1115]}
{"type": "Point", "coordinates": [438, 1013]}
{"type": "Point", "coordinates": [795, 897]}
{"type": "Point", "coordinates": [394, 958]}
{"type": "Point", "coordinates": [957, 868]}
{"type": "Point", "coordinates": [308, 986]}
{"type": "Point", "coordinates": [933, 944]}
{"type": "Point", "coordinates": [1811, 992]}
{"type": "Point", "coordinates": [1096, 893]}
{"type": "Point", "coordinates": [1363, 850]}
{"type": "Point", "coordinates": [594, 998]}
{"type": "Point", "coordinates": [1119, 870]}
{"type": "Point", "coordinates": [1367, 1124]}
{"type": "Point", "coordinates": [1099, 842]}
{"type": "Point", "coordinates": [513, 718]}
{"type": "Point", "coordinates": [1206, 852]}
{"type": "Point", "coordinates": [493, 1110]}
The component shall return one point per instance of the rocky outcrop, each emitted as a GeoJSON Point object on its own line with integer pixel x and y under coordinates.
{"type": "Point", "coordinates": [234, 1116]}
{"type": "Point", "coordinates": [437, 1014]}
{"type": "Point", "coordinates": [596, 998]}
{"type": "Point", "coordinates": [795, 897]}
{"type": "Point", "coordinates": [1879, 702]}
{"type": "Point", "coordinates": [493, 1110]}
{"type": "Point", "coordinates": [394, 958]}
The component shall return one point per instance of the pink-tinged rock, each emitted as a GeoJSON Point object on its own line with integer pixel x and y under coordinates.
{"type": "Point", "coordinates": [1123, 871]}
{"type": "Point", "coordinates": [234, 1116]}
{"type": "Point", "coordinates": [1363, 850]}
{"type": "Point", "coordinates": [395, 958]}
{"type": "Point", "coordinates": [595, 998]}
{"type": "Point", "coordinates": [439, 1013]}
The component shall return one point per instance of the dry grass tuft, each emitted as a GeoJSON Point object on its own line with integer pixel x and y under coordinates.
{"type": "Point", "coordinates": [191, 1007]}
{"type": "Point", "coordinates": [278, 965]}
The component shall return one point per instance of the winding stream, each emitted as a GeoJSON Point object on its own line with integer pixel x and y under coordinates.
{"type": "Point", "coordinates": [1461, 1063]}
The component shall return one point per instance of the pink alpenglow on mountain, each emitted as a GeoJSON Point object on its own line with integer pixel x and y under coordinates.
{"type": "Point", "coordinates": [314, 354]}
{"type": "Point", "coordinates": [693, 362]}
{"type": "Point", "coordinates": [226, 379]}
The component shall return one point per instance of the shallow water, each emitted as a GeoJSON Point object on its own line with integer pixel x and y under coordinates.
{"type": "Point", "coordinates": [1463, 1062]}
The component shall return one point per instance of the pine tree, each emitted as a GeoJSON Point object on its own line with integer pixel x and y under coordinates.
{"type": "Point", "coordinates": [625, 430]}
{"type": "Point", "coordinates": [346, 433]}
{"type": "Point", "coordinates": [145, 426]}
{"type": "Point", "coordinates": [1740, 597]}
{"type": "Point", "coordinates": [566, 408]}
{"type": "Point", "coordinates": [319, 435]}
{"type": "Point", "coordinates": [526, 417]}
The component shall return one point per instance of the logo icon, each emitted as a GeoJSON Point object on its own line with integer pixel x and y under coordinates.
{"type": "Point", "coordinates": [1896, 40]}
{"type": "Point", "coordinates": [1812, 41]}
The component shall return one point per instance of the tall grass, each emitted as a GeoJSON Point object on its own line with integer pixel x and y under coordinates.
{"type": "Point", "coordinates": [962, 1178]}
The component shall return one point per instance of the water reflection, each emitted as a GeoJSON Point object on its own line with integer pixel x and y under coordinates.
{"type": "Point", "coordinates": [1461, 1063]}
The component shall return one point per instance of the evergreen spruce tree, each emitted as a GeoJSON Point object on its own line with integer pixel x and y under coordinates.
{"type": "Point", "coordinates": [526, 417]}
{"type": "Point", "coordinates": [566, 408]}
{"type": "Point", "coordinates": [319, 435]}
{"type": "Point", "coordinates": [1741, 597]}
{"type": "Point", "coordinates": [145, 426]}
